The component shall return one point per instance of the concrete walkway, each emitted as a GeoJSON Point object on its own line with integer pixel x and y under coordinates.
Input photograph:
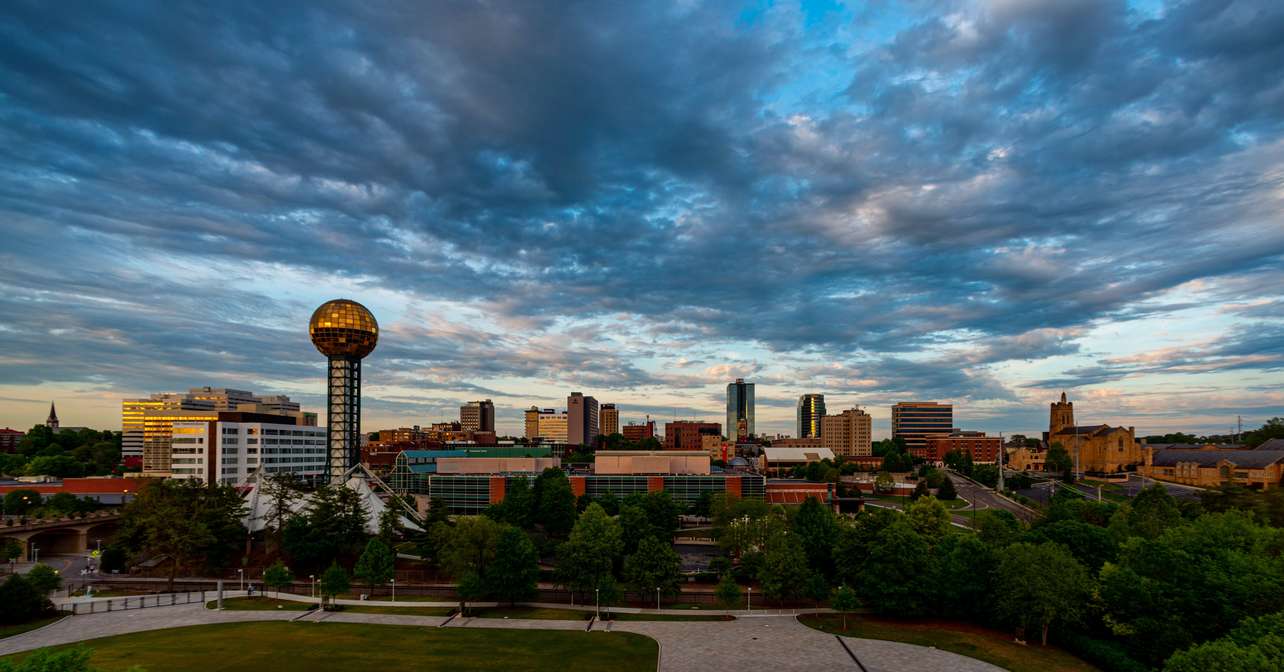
{"type": "Point", "coordinates": [751, 642]}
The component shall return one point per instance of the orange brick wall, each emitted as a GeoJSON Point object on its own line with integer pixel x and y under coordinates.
{"type": "Point", "coordinates": [655, 484]}
{"type": "Point", "coordinates": [578, 486]}
{"type": "Point", "coordinates": [497, 484]}
{"type": "Point", "coordinates": [733, 486]}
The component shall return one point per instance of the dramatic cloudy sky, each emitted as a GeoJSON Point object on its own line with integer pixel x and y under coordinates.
{"type": "Point", "coordinates": [980, 202]}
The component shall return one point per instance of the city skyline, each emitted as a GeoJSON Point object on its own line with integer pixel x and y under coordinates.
{"type": "Point", "coordinates": [842, 201]}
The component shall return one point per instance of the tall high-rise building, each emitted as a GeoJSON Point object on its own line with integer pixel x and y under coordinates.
{"type": "Point", "coordinates": [848, 434]}
{"type": "Point", "coordinates": [811, 408]}
{"type": "Point", "coordinates": [914, 421]}
{"type": "Point", "coordinates": [553, 425]}
{"type": "Point", "coordinates": [478, 416]}
{"type": "Point", "coordinates": [532, 423]}
{"type": "Point", "coordinates": [581, 419]}
{"type": "Point", "coordinates": [739, 410]}
{"type": "Point", "coordinates": [609, 419]}
{"type": "Point", "coordinates": [345, 332]}
{"type": "Point", "coordinates": [233, 445]}
{"type": "Point", "coordinates": [133, 410]}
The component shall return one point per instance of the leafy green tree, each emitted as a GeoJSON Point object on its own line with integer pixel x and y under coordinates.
{"type": "Point", "coordinates": [390, 527]}
{"type": "Point", "coordinates": [1093, 546]}
{"type": "Point", "coordinates": [469, 546]}
{"type": "Point", "coordinates": [44, 579]}
{"type": "Point", "coordinates": [897, 574]}
{"type": "Point", "coordinates": [555, 503]}
{"type": "Point", "coordinates": [590, 553]}
{"type": "Point", "coordinates": [334, 582]}
{"type": "Point", "coordinates": [21, 502]}
{"type": "Point", "coordinates": [518, 507]}
{"type": "Point", "coordinates": [1193, 583]}
{"type": "Point", "coordinates": [21, 602]}
{"type": "Point", "coordinates": [997, 527]}
{"type": "Point", "coordinates": [514, 574]}
{"type": "Point", "coordinates": [114, 559]}
{"type": "Point", "coordinates": [634, 527]}
{"type": "Point", "coordinates": [663, 513]}
{"type": "Point", "coordinates": [47, 660]}
{"type": "Point", "coordinates": [654, 565]}
{"type": "Point", "coordinates": [965, 576]}
{"type": "Point", "coordinates": [815, 527]}
{"type": "Point", "coordinates": [947, 491]}
{"type": "Point", "coordinates": [58, 466]}
{"type": "Point", "coordinates": [12, 464]}
{"type": "Point", "coordinates": [10, 550]}
{"type": "Point", "coordinates": [470, 588]}
{"type": "Point", "coordinates": [727, 592]}
{"type": "Point", "coordinates": [377, 564]}
{"type": "Point", "coordinates": [186, 521]}
{"type": "Point", "coordinates": [1057, 592]}
{"type": "Point", "coordinates": [1256, 645]}
{"type": "Point", "coordinates": [333, 526]}
{"type": "Point", "coordinates": [929, 517]}
{"type": "Point", "coordinates": [1151, 512]}
{"type": "Point", "coordinates": [844, 600]}
{"type": "Point", "coordinates": [920, 490]}
{"type": "Point", "coordinates": [277, 576]}
{"type": "Point", "coordinates": [884, 483]}
{"type": "Point", "coordinates": [784, 574]}
{"type": "Point", "coordinates": [856, 540]}
{"type": "Point", "coordinates": [1058, 461]}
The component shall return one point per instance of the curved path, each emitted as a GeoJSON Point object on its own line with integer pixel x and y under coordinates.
{"type": "Point", "coordinates": [749, 642]}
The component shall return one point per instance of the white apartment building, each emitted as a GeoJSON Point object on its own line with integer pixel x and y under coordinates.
{"type": "Point", "coordinates": [230, 452]}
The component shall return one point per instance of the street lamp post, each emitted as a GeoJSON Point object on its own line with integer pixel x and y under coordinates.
{"type": "Point", "coordinates": [35, 554]}
{"type": "Point", "coordinates": [394, 589]}
{"type": "Point", "coordinates": [312, 585]}
{"type": "Point", "coordinates": [240, 573]}
{"type": "Point", "coordinates": [597, 602]}
{"type": "Point", "coordinates": [749, 603]}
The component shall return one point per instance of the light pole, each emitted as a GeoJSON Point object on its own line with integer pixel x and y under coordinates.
{"type": "Point", "coordinates": [597, 602]}
{"type": "Point", "coordinates": [240, 573]}
{"type": "Point", "coordinates": [1002, 449]}
{"type": "Point", "coordinates": [749, 603]}
{"type": "Point", "coordinates": [312, 585]}
{"type": "Point", "coordinates": [394, 589]}
{"type": "Point", "coordinates": [657, 598]}
{"type": "Point", "coordinates": [35, 554]}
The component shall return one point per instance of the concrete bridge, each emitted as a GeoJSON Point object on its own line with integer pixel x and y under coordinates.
{"type": "Point", "coordinates": [60, 535]}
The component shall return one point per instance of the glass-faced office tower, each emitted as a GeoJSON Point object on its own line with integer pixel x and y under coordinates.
{"type": "Point", "coordinates": [345, 332]}
{"type": "Point", "coordinates": [739, 410]}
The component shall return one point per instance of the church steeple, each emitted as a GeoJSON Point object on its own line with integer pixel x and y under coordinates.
{"type": "Point", "coordinates": [52, 421]}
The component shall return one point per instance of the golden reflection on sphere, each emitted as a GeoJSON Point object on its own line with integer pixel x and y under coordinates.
{"type": "Point", "coordinates": [343, 328]}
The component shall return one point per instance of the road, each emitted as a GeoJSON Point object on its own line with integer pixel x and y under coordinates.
{"type": "Point", "coordinates": [985, 498]}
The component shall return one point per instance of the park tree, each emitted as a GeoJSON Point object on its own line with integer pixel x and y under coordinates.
{"type": "Point", "coordinates": [377, 564]}
{"type": "Point", "coordinates": [655, 565]}
{"type": "Point", "coordinates": [929, 517]}
{"type": "Point", "coordinates": [514, 573]}
{"type": "Point", "coordinates": [1193, 583]}
{"type": "Point", "coordinates": [634, 526]}
{"type": "Point", "coordinates": [965, 580]}
{"type": "Point", "coordinates": [814, 526]}
{"type": "Point", "coordinates": [1041, 586]}
{"type": "Point", "coordinates": [10, 550]}
{"type": "Point", "coordinates": [783, 573]}
{"type": "Point", "coordinates": [997, 527]}
{"type": "Point", "coordinates": [920, 490]}
{"type": "Point", "coordinates": [50, 660]}
{"type": "Point", "coordinates": [188, 522]}
{"type": "Point", "coordinates": [896, 577]}
{"type": "Point", "coordinates": [20, 601]}
{"type": "Point", "coordinates": [21, 502]}
{"type": "Point", "coordinates": [468, 547]}
{"type": "Point", "coordinates": [1151, 512]}
{"type": "Point", "coordinates": [1058, 462]}
{"type": "Point", "coordinates": [334, 582]}
{"type": "Point", "coordinates": [44, 579]}
{"type": "Point", "coordinates": [332, 527]}
{"type": "Point", "coordinates": [1256, 645]}
{"type": "Point", "coordinates": [727, 592]}
{"type": "Point", "coordinates": [518, 507]}
{"type": "Point", "coordinates": [947, 492]}
{"type": "Point", "coordinates": [884, 483]}
{"type": "Point", "coordinates": [390, 528]}
{"type": "Point", "coordinates": [277, 576]}
{"type": "Point", "coordinates": [844, 600]}
{"type": "Point", "coordinates": [1093, 546]}
{"type": "Point", "coordinates": [856, 540]}
{"type": "Point", "coordinates": [590, 553]}
{"type": "Point", "coordinates": [555, 503]}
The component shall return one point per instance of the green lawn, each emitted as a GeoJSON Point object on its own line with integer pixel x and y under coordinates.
{"type": "Point", "coordinates": [404, 611]}
{"type": "Point", "coordinates": [307, 647]}
{"type": "Point", "coordinates": [11, 630]}
{"type": "Point", "coordinates": [259, 604]}
{"type": "Point", "coordinates": [531, 612]}
{"type": "Point", "coordinates": [961, 638]}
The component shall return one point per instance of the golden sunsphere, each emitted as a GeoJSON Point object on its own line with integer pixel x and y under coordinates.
{"type": "Point", "coordinates": [343, 328]}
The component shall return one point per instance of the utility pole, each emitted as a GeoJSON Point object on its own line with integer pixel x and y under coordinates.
{"type": "Point", "coordinates": [1002, 449]}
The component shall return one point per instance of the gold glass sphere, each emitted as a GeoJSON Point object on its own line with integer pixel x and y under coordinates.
{"type": "Point", "coordinates": [343, 328]}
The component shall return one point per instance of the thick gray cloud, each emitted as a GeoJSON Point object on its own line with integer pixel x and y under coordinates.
{"type": "Point", "coordinates": [993, 178]}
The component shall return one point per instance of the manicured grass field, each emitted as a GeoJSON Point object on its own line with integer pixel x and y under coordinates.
{"type": "Point", "coordinates": [531, 612]}
{"type": "Point", "coordinates": [258, 604]}
{"type": "Point", "coordinates": [11, 630]}
{"type": "Point", "coordinates": [307, 647]}
{"type": "Point", "coordinates": [961, 638]}
{"type": "Point", "coordinates": [435, 612]}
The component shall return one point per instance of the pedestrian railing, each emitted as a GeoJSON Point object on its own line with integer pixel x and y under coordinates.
{"type": "Point", "coordinates": [103, 605]}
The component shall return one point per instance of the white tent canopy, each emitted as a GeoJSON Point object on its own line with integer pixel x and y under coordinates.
{"type": "Point", "coordinates": [262, 504]}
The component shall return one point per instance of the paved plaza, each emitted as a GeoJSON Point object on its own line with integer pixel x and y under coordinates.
{"type": "Point", "coordinates": [754, 642]}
